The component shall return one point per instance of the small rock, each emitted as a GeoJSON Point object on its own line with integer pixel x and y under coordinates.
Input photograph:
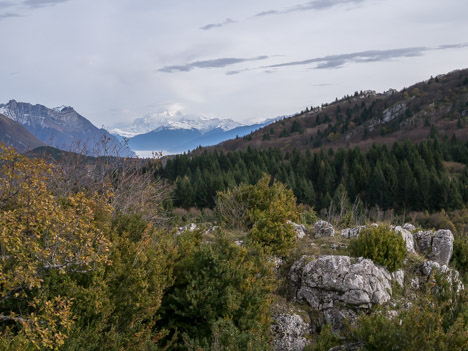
{"type": "Point", "coordinates": [300, 229]}
{"type": "Point", "coordinates": [277, 262]}
{"type": "Point", "coordinates": [212, 229]}
{"type": "Point", "coordinates": [414, 283]}
{"type": "Point", "coordinates": [189, 227]}
{"type": "Point", "coordinates": [399, 277]}
{"type": "Point", "coordinates": [349, 233]}
{"type": "Point", "coordinates": [323, 229]}
{"type": "Point", "coordinates": [289, 331]}
{"type": "Point", "coordinates": [239, 243]}
{"type": "Point", "coordinates": [409, 226]}
{"type": "Point", "coordinates": [354, 346]}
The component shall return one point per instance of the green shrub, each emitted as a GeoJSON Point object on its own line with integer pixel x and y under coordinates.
{"type": "Point", "coordinates": [381, 245]}
{"type": "Point", "coordinates": [325, 341]}
{"type": "Point", "coordinates": [262, 210]}
{"type": "Point", "coordinates": [221, 296]}
{"type": "Point", "coordinates": [460, 256]}
{"type": "Point", "coordinates": [421, 327]}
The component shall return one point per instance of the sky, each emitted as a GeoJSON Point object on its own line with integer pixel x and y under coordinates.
{"type": "Point", "coordinates": [118, 60]}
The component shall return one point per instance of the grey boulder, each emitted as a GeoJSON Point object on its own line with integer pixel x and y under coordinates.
{"type": "Point", "coordinates": [329, 281]}
{"type": "Point", "coordinates": [436, 246]}
{"type": "Point", "coordinates": [323, 229]}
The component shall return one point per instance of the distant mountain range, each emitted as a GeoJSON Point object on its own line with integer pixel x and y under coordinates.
{"type": "Point", "coordinates": [173, 120]}
{"type": "Point", "coordinates": [174, 132]}
{"type": "Point", "coordinates": [61, 127]}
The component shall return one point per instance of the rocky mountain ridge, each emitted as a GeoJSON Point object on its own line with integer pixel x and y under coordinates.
{"type": "Point", "coordinates": [64, 128]}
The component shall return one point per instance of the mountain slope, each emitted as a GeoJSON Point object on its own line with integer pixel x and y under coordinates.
{"type": "Point", "coordinates": [14, 134]}
{"type": "Point", "coordinates": [63, 128]}
{"type": "Point", "coordinates": [438, 105]}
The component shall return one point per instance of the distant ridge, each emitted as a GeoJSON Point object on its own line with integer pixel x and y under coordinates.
{"type": "Point", "coordinates": [14, 134]}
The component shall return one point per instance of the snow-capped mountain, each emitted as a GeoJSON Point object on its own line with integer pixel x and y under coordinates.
{"type": "Point", "coordinates": [173, 120]}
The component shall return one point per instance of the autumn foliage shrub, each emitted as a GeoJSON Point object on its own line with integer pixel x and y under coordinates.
{"type": "Point", "coordinates": [381, 245]}
{"type": "Point", "coordinates": [42, 234]}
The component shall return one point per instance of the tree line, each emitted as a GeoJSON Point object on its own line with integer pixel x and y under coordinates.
{"type": "Point", "coordinates": [431, 175]}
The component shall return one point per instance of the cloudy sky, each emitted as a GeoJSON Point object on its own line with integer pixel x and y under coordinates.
{"type": "Point", "coordinates": [116, 60]}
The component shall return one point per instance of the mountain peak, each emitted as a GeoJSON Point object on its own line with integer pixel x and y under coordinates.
{"type": "Point", "coordinates": [63, 108]}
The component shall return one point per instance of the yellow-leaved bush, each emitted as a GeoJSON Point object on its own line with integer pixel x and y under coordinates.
{"type": "Point", "coordinates": [42, 232]}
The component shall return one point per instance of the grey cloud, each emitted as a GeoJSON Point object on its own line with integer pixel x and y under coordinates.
{"type": "Point", "coordinates": [228, 21]}
{"type": "Point", "coordinates": [216, 63]}
{"type": "Point", "coordinates": [452, 46]}
{"type": "Point", "coordinates": [42, 3]}
{"type": "Point", "coordinates": [32, 4]}
{"type": "Point", "coordinates": [310, 5]}
{"type": "Point", "coordinates": [337, 61]}
{"type": "Point", "coordinates": [9, 15]}
{"type": "Point", "coordinates": [267, 13]}
{"type": "Point", "coordinates": [5, 4]}
{"type": "Point", "coordinates": [231, 73]}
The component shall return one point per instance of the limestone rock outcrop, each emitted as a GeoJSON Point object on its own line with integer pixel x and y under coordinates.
{"type": "Point", "coordinates": [452, 275]}
{"type": "Point", "coordinates": [338, 286]}
{"type": "Point", "coordinates": [436, 246]}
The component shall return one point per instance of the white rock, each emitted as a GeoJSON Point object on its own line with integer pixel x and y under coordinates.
{"type": "Point", "coordinates": [189, 227]}
{"type": "Point", "coordinates": [399, 277]}
{"type": "Point", "coordinates": [436, 246]}
{"type": "Point", "coordinates": [289, 331]}
{"type": "Point", "coordinates": [407, 237]}
{"type": "Point", "coordinates": [328, 280]}
{"type": "Point", "coordinates": [349, 233]}
{"type": "Point", "coordinates": [323, 229]}
{"type": "Point", "coordinates": [300, 229]}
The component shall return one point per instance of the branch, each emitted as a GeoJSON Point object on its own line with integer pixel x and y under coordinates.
{"type": "Point", "coordinates": [4, 318]}
{"type": "Point", "coordinates": [11, 293]}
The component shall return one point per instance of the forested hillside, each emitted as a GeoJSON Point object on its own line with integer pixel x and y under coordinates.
{"type": "Point", "coordinates": [365, 117]}
{"type": "Point", "coordinates": [396, 177]}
